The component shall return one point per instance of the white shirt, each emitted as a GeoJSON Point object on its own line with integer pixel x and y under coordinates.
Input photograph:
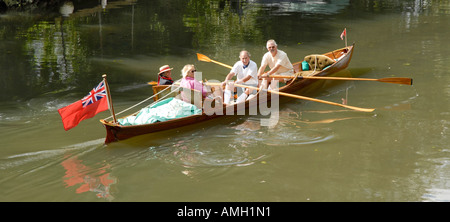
{"type": "Point", "coordinates": [280, 58]}
{"type": "Point", "coordinates": [251, 69]}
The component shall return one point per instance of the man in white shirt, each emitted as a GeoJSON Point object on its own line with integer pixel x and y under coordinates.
{"type": "Point", "coordinates": [246, 72]}
{"type": "Point", "coordinates": [277, 61]}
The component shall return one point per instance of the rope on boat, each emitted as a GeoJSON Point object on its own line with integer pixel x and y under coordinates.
{"type": "Point", "coordinates": [145, 100]}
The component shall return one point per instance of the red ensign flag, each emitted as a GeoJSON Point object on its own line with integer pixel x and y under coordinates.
{"type": "Point", "coordinates": [95, 102]}
{"type": "Point", "coordinates": [344, 33]}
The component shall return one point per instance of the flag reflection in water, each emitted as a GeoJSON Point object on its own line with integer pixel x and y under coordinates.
{"type": "Point", "coordinates": [94, 180]}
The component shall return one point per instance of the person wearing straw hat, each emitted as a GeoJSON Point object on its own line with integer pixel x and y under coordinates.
{"type": "Point", "coordinates": [164, 75]}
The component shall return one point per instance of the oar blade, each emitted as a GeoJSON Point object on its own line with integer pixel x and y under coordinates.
{"type": "Point", "coordinates": [367, 110]}
{"type": "Point", "coordinates": [203, 58]}
{"type": "Point", "coordinates": [397, 80]}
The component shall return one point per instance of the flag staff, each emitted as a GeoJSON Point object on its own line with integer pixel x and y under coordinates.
{"type": "Point", "coordinates": [110, 104]}
{"type": "Point", "coordinates": [345, 37]}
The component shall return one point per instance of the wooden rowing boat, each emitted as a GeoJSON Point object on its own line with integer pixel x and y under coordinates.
{"type": "Point", "coordinates": [117, 132]}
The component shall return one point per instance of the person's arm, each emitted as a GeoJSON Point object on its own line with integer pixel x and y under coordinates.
{"type": "Point", "coordinates": [270, 72]}
{"type": "Point", "coordinates": [204, 91]}
{"type": "Point", "coordinates": [273, 70]}
{"type": "Point", "coordinates": [264, 64]}
{"type": "Point", "coordinates": [261, 70]}
{"type": "Point", "coordinates": [245, 79]}
{"type": "Point", "coordinates": [229, 76]}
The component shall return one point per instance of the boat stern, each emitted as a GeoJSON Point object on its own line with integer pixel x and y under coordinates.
{"type": "Point", "coordinates": [110, 132]}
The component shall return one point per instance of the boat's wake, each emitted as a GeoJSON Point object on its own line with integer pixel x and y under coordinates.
{"type": "Point", "coordinates": [56, 154]}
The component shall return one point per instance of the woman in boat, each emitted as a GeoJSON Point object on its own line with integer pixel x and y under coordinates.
{"type": "Point", "coordinates": [189, 82]}
{"type": "Point", "coordinates": [165, 75]}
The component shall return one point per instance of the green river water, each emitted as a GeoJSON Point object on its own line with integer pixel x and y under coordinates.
{"type": "Point", "coordinates": [50, 58]}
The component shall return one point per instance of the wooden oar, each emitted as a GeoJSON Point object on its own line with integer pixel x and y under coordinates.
{"type": "Point", "coordinates": [204, 58]}
{"type": "Point", "coordinates": [303, 97]}
{"type": "Point", "coordinates": [153, 83]}
{"type": "Point", "coordinates": [395, 80]}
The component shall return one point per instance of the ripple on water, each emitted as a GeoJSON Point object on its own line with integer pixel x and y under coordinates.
{"type": "Point", "coordinates": [218, 146]}
{"type": "Point", "coordinates": [241, 143]}
{"type": "Point", "coordinates": [289, 131]}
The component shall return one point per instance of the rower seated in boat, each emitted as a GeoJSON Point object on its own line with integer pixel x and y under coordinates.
{"type": "Point", "coordinates": [278, 62]}
{"type": "Point", "coordinates": [246, 72]}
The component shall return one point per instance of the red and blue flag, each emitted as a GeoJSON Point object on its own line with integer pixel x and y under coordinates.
{"type": "Point", "coordinates": [96, 101]}
{"type": "Point", "coordinates": [94, 95]}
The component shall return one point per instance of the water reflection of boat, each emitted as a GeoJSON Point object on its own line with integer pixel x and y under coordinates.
{"type": "Point", "coordinates": [341, 58]}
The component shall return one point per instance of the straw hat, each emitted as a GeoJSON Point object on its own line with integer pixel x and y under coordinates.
{"type": "Point", "coordinates": [164, 68]}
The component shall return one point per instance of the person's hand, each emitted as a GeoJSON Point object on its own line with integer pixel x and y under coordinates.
{"type": "Point", "coordinates": [229, 85]}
